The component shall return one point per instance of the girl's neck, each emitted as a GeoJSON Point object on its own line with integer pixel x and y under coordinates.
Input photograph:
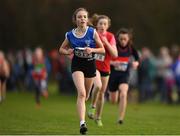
{"type": "Point", "coordinates": [102, 32]}
{"type": "Point", "coordinates": [123, 47]}
{"type": "Point", "coordinates": [81, 29]}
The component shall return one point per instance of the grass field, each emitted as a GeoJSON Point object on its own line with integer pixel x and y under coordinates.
{"type": "Point", "coordinates": [18, 115]}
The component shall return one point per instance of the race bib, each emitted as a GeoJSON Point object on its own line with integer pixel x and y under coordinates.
{"type": "Point", "coordinates": [99, 57]}
{"type": "Point", "coordinates": [121, 66]}
{"type": "Point", "coordinates": [80, 52]}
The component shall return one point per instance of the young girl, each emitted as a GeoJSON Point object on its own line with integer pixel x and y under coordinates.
{"type": "Point", "coordinates": [82, 41]}
{"type": "Point", "coordinates": [102, 24]}
{"type": "Point", "coordinates": [119, 77]}
{"type": "Point", "coordinates": [39, 75]}
{"type": "Point", "coordinates": [4, 74]}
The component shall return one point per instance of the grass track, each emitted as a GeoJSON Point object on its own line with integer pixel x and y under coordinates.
{"type": "Point", "coordinates": [18, 115]}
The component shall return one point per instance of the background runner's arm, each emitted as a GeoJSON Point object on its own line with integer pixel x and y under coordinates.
{"type": "Point", "coordinates": [100, 47]}
{"type": "Point", "coordinates": [135, 54]}
{"type": "Point", "coordinates": [111, 46]}
{"type": "Point", "coordinates": [135, 63]}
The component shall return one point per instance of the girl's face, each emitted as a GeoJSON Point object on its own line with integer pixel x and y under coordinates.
{"type": "Point", "coordinates": [81, 18]}
{"type": "Point", "coordinates": [39, 54]}
{"type": "Point", "coordinates": [123, 39]}
{"type": "Point", "coordinates": [102, 25]}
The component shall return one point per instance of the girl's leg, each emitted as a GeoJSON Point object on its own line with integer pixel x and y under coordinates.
{"type": "Point", "coordinates": [78, 78]}
{"type": "Point", "coordinates": [88, 86]}
{"type": "Point", "coordinates": [37, 93]}
{"type": "Point", "coordinates": [100, 101]}
{"type": "Point", "coordinates": [113, 97]}
{"type": "Point", "coordinates": [44, 88]}
{"type": "Point", "coordinates": [80, 82]}
{"type": "Point", "coordinates": [123, 100]}
{"type": "Point", "coordinates": [97, 86]}
{"type": "Point", "coordinates": [37, 97]}
{"type": "Point", "coordinates": [45, 94]}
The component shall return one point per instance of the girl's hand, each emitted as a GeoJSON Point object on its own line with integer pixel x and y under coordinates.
{"type": "Point", "coordinates": [70, 51]}
{"type": "Point", "coordinates": [88, 50]}
{"type": "Point", "coordinates": [104, 40]}
{"type": "Point", "coordinates": [135, 64]}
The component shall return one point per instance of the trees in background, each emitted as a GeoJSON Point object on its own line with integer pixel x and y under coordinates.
{"type": "Point", "coordinates": [44, 22]}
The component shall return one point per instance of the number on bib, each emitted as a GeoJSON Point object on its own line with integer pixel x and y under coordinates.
{"type": "Point", "coordinates": [99, 57]}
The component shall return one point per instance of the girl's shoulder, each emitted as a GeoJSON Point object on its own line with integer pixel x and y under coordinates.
{"type": "Point", "coordinates": [70, 31]}
{"type": "Point", "coordinates": [91, 29]}
{"type": "Point", "coordinates": [110, 35]}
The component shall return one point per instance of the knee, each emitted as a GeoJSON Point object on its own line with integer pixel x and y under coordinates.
{"type": "Point", "coordinates": [82, 95]}
{"type": "Point", "coordinates": [101, 92]}
{"type": "Point", "coordinates": [113, 100]}
{"type": "Point", "coordinates": [100, 95]}
{"type": "Point", "coordinates": [98, 86]}
{"type": "Point", "coordinates": [123, 95]}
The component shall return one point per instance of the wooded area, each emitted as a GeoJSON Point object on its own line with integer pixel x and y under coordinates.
{"type": "Point", "coordinates": [28, 23]}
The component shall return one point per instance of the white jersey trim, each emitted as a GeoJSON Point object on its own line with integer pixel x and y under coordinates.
{"type": "Point", "coordinates": [73, 32]}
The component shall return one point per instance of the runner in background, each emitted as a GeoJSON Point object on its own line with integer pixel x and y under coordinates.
{"type": "Point", "coordinates": [120, 68]}
{"type": "Point", "coordinates": [102, 23]}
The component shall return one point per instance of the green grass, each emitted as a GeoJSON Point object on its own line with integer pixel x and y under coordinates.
{"type": "Point", "coordinates": [18, 115]}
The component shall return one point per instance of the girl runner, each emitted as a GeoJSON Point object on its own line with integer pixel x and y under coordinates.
{"type": "Point", "coordinates": [82, 41]}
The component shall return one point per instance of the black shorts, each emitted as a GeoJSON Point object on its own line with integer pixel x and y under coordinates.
{"type": "Point", "coordinates": [3, 78]}
{"type": "Point", "coordinates": [88, 67]}
{"type": "Point", "coordinates": [117, 79]}
{"type": "Point", "coordinates": [104, 74]}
